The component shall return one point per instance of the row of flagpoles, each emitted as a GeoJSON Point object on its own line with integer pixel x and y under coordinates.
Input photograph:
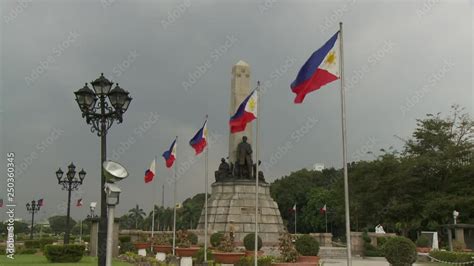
{"type": "Point", "coordinates": [325, 65]}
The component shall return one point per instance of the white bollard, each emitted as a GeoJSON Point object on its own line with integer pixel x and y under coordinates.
{"type": "Point", "coordinates": [142, 252]}
{"type": "Point", "coordinates": [186, 261]}
{"type": "Point", "coordinates": [160, 256]}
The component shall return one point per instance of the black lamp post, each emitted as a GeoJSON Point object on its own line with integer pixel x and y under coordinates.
{"type": "Point", "coordinates": [70, 182]}
{"type": "Point", "coordinates": [32, 208]}
{"type": "Point", "coordinates": [100, 115]}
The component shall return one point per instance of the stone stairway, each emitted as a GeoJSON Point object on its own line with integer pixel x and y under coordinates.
{"type": "Point", "coordinates": [332, 253]}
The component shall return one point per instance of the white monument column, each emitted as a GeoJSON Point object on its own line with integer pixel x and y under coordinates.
{"type": "Point", "coordinates": [240, 88]}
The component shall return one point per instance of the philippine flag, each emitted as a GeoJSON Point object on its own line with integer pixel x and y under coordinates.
{"type": "Point", "coordinates": [199, 141]}
{"type": "Point", "coordinates": [320, 69]}
{"type": "Point", "coordinates": [246, 113]}
{"type": "Point", "coordinates": [170, 155]}
{"type": "Point", "coordinates": [79, 203]}
{"type": "Point", "coordinates": [323, 209]}
{"type": "Point", "coordinates": [150, 172]}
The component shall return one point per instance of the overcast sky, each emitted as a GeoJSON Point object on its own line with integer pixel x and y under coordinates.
{"type": "Point", "coordinates": [403, 59]}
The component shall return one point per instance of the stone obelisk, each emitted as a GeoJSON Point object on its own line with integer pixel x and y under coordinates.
{"type": "Point", "coordinates": [240, 88]}
{"type": "Point", "coordinates": [231, 207]}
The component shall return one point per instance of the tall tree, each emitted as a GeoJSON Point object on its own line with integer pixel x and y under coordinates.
{"type": "Point", "coordinates": [137, 215]}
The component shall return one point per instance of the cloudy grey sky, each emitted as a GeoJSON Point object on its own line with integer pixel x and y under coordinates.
{"type": "Point", "coordinates": [403, 59]}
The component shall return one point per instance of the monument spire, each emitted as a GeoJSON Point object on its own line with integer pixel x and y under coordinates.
{"type": "Point", "coordinates": [240, 88]}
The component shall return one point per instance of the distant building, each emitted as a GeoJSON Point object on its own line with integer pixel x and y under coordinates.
{"type": "Point", "coordinates": [318, 167]}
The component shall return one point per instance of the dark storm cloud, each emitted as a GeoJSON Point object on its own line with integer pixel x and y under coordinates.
{"type": "Point", "coordinates": [402, 60]}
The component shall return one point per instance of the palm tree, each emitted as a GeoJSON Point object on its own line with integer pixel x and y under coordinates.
{"type": "Point", "coordinates": [137, 214]}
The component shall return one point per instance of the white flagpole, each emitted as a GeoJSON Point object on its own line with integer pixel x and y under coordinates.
{"type": "Point", "coordinates": [344, 149]}
{"type": "Point", "coordinates": [153, 206]}
{"type": "Point", "coordinates": [326, 217]}
{"type": "Point", "coordinates": [206, 184]}
{"type": "Point", "coordinates": [296, 209]}
{"type": "Point", "coordinates": [256, 173]}
{"type": "Point", "coordinates": [174, 197]}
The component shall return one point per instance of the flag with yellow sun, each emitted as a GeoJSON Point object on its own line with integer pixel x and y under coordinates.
{"type": "Point", "coordinates": [246, 113]}
{"type": "Point", "coordinates": [320, 69]}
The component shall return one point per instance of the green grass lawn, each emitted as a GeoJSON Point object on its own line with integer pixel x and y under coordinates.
{"type": "Point", "coordinates": [31, 260]}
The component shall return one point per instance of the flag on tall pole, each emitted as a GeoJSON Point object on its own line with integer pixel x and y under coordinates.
{"type": "Point", "coordinates": [251, 105]}
{"type": "Point", "coordinates": [170, 154]}
{"type": "Point", "coordinates": [79, 203]}
{"type": "Point", "coordinates": [323, 209]}
{"type": "Point", "coordinates": [324, 66]}
{"type": "Point", "coordinates": [246, 113]}
{"type": "Point", "coordinates": [199, 141]}
{"type": "Point", "coordinates": [294, 210]}
{"type": "Point", "coordinates": [170, 157]}
{"type": "Point", "coordinates": [150, 172]}
{"type": "Point", "coordinates": [320, 69]}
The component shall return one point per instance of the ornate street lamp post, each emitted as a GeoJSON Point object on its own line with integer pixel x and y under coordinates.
{"type": "Point", "coordinates": [32, 208]}
{"type": "Point", "coordinates": [100, 114]}
{"type": "Point", "coordinates": [70, 182]}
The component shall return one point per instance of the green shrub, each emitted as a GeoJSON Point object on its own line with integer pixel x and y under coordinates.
{"type": "Point", "coordinates": [193, 238]}
{"type": "Point", "coordinates": [46, 241]}
{"type": "Point", "coordinates": [200, 256]}
{"type": "Point", "coordinates": [127, 247]}
{"type": "Point", "coordinates": [449, 256]}
{"type": "Point", "coordinates": [216, 239]}
{"type": "Point", "coordinates": [249, 261]}
{"type": "Point", "coordinates": [423, 242]}
{"type": "Point", "coordinates": [287, 248]}
{"type": "Point", "coordinates": [307, 245]}
{"type": "Point", "coordinates": [249, 242]}
{"type": "Point", "coordinates": [32, 244]}
{"type": "Point", "coordinates": [381, 241]}
{"type": "Point", "coordinates": [86, 239]}
{"type": "Point", "coordinates": [27, 251]}
{"type": "Point", "coordinates": [400, 251]}
{"type": "Point", "coordinates": [64, 253]}
{"type": "Point", "coordinates": [123, 239]}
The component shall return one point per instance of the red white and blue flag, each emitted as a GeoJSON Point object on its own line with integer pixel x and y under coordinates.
{"type": "Point", "coordinates": [40, 203]}
{"type": "Point", "coordinates": [246, 113]}
{"type": "Point", "coordinates": [320, 69]}
{"type": "Point", "coordinates": [170, 155]}
{"type": "Point", "coordinates": [79, 203]}
{"type": "Point", "coordinates": [323, 210]}
{"type": "Point", "coordinates": [199, 141]}
{"type": "Point", "coordinates": [150, 172]}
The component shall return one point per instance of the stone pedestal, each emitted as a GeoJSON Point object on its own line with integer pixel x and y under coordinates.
{"type": "Point", "coordinates": [93, 237]}
{"type": "Point", "coordinates": [94, 241]}
{"type": "Point", "coordinates": [232, 208]}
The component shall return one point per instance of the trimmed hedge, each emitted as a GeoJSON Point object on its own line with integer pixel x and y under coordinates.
{"type": "Point", "coordinates": [64, 253]}
{"type": "Point", "coordinates": [38, 243]}
{"type": "Point", "coordinates": [249, 261]}
{"type": "Point", "coordinates": [216, 239]}
{"type": "Point", "coordinates": [249, 242]}
{"type": "Point", "coordinates": [449, 256]}
{"type": "Point", "coordinates": [423, 242]}
{"type": "Point", "coordinates": [400, 251]}
{"type": "Point", "coordinates": [307, 245]}
{"type": "Point", "coordinates": [193, 238]}
{"type": "Point", "coordinates": [127, 247]}
{"type": "Point", "coordinates": [200, 256]}
{"type": "Point", "coordinates": [123, 239]}
{"type": "Point", "coordinates": [27, 251]}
